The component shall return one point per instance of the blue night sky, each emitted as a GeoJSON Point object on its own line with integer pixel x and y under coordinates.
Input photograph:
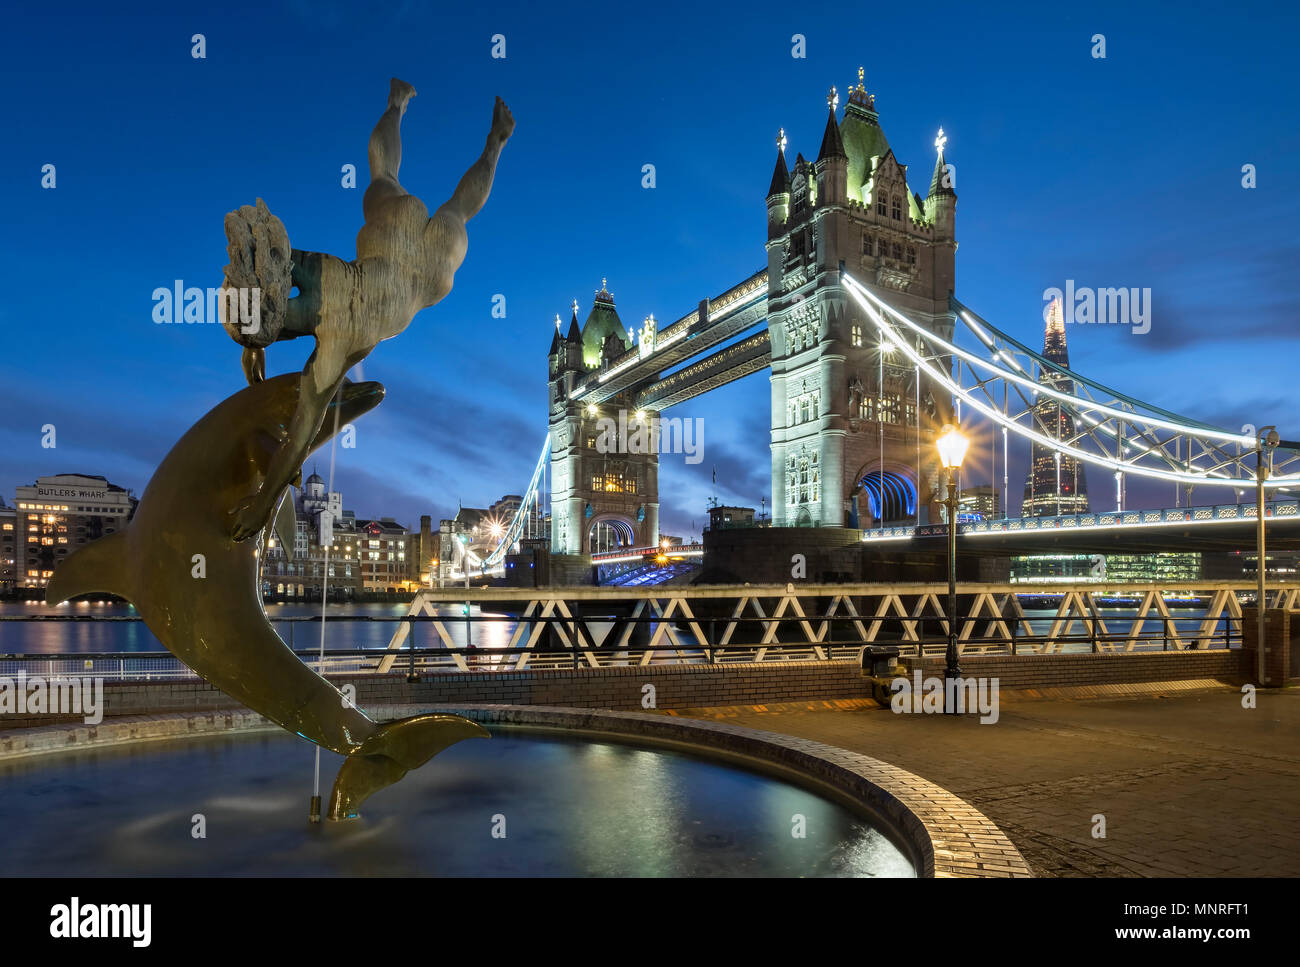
{"type": "Point", "coordinates": [1117, 172]}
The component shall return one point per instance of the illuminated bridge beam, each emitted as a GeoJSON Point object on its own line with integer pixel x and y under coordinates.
{"type": "Point", "coordinates": [725, 366]}
{"type": "Point", "coordinates": [1222, 527]}
{"type": "Point", "coordinates": [739, 308]}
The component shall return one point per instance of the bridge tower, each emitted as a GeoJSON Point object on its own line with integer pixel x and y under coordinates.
{"type": "Point", "coordinates": [604, 478]}
{"type": "Point", "coordinates": [852, 426]}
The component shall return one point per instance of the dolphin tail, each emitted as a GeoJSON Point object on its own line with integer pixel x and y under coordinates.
{"type": "Point", "coordinates": [99, 566]}
{"type": "Point", "coordinates": [393, 750]}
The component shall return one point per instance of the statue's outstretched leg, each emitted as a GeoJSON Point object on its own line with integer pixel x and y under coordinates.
{"type": "Point", "coordinates": [386, 151]}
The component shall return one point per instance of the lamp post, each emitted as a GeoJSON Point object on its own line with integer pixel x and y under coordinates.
{"type": "Point", "coordinates": [952, 450]}
{"type": "Point", "coordinates": [1266, 442]}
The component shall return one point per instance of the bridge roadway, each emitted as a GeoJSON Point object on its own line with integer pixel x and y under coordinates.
{"type": "Point", "coordinates": [741, 307]}
{"type": "Point", "coordinates": [1223, 527]}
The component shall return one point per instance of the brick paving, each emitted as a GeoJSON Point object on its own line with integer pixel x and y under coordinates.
{"type": "Point", "coordinates": [1189, 782]}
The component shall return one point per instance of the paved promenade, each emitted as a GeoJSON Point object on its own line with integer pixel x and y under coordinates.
{"type": "Point", "coordinates": [1190, 783]}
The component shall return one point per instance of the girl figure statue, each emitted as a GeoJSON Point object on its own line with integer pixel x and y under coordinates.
{"type": "Point", "coordinates": [405, 262]}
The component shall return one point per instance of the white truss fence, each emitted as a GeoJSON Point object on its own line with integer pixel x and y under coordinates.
{"type": "Point", "coordinates": [505, 629]}
{"type": "Point", "coordinates": [508, 629]}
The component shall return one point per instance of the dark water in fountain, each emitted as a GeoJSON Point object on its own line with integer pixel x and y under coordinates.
{"type": "Point", "coordinates": [570, 807]}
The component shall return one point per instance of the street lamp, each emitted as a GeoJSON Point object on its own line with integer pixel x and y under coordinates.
{"type": "Point", "coordinates": [1265, 443]}
{"type": "Point", "coordinates": [952, 450]}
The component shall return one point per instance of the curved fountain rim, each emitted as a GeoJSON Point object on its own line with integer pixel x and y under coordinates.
{"type": "Point", "coordinates": [944, 835]}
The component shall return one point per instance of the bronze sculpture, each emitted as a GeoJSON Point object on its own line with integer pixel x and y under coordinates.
{"type": "Point", "coordinates": [215, 623]}
{"type": "Point", "coordinates": [405, 262]}
{"type": "Point", "coordinates": [184, 560]}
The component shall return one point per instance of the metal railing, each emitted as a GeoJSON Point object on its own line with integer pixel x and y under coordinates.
{"type": "Point", "coordinates": [568, 643]}
{"type": "Point", "coordinates": [528, 628]}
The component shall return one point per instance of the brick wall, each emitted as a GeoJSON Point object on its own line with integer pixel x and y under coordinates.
{"type": "Point", "coordinates": [685, 686]}
{"type": "Point", "coordinates": [676, 686]}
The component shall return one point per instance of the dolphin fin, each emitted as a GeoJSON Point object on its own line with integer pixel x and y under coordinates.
{"type": "Point", "coordinates": [286, 523]}
{"type": "Point", "coordinates": [98, 566]}
{"type": "Point", "coordinates": [394, 749]}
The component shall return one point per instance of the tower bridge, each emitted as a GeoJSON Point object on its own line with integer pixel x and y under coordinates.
{"type": "Point", "coordinates": [869, 353]}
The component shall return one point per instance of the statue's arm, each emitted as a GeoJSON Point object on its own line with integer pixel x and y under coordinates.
{"type": "Point", "coordinates": [472, 192]}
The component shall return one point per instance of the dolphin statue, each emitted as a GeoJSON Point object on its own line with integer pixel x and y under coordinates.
{"type": "Point", "coordinates": [216, 624]}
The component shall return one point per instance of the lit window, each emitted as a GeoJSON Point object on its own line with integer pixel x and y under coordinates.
{"type": "Point", "coordinates": [857, 335]}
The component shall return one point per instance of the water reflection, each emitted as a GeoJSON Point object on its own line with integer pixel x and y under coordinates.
{"type": "Point", "coordinates": [571, 807]}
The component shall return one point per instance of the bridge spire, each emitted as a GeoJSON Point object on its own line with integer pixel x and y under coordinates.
{"type": "Point", "coordinates": [832, 143]}
{"type": "Point", "coordinates": [941, 180]}
{"type": "Point", "coordinates": [780, 174]}
{"type": "Point", "coordinates": [555, 339]}
{"type": "Point", "coordinates": [575, 334]}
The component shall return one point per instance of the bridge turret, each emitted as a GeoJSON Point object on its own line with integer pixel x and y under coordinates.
{"type": "Point", "coordinates": [573, 343]}
{"type": "Point", "coordinates": [832, 160]}
{"type": "Point", "coordinates": [554, 355]}
{"type": "Point", "coordinates": [565, 355]}
{"type": "Point", "coordinates": [941, 202]}
{"type": "Point", "coordinates": [602, 322]}
{"type": "Point", "coordinates": [778, 195]}
{"type": "Point", "coordinates": [941, 212]}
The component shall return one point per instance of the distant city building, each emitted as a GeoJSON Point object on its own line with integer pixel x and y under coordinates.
{"type": "Point", "coordinates": [1153, 568]}
{"type": "Point", "coordinates": [58, 514]}
{"type": "Point", "coordinates": [1056, 484]}
{"type": "Point", "coordinates": [383, 554]}
{"type": "Point", "coordinates": [306, 573]}
{"type": "Point", "coordinates": [1110, 569]}
{"type": "Point", "coordinates": [1057, 568]}
{"type": "Point", "coordinates": [720, 517]}
{"type": "Point", "coordinates": [504, 510]}
{"type": "Point", "coordinates": [1243, 565]}
{"type": "Point", "coordinates": [481, 530]}
{"type": "Point", "coordinates": [979, 503]}
{"type": "Point", "coordinates": [423, 554]}
{"type": "Point", "coordinates": [365, 555]}
{"type": "Point", "coordinates": [8, 547]}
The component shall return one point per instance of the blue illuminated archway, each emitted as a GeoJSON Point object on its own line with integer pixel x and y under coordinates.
{"type": "Point", "coordinates": [608, 532]}
{"type": "Point", "coordinates": [890, 496]}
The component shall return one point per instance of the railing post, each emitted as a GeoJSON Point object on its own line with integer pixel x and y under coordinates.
{"type": "Point", "coordinates": [573, 640]}
{"type": "Point", "coordinates": [411, 676]}
{"type": "Point", "coordinates": [469, 631]}
{"type": "Point", "coordinates": [708, 650]}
